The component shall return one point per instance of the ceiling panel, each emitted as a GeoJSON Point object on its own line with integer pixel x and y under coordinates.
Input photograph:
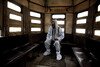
{"type": "Point", "coordinates": [41, 2]}
{"type": "Point", "coordinates": [59, 2]}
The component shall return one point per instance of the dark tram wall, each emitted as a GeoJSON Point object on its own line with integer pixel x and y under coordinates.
{"type": "Point", "coordinates": [88, 42]}
{"type": "Point", "coordinates": [1, 13]}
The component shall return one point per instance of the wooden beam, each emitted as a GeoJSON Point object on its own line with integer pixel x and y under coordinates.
{"type": "Point", "coordinates": [80, 3]}
{"type": "Point", "coordinates": [35, 3]}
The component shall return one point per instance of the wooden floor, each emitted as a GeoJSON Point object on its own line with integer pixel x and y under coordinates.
{"type": "Point", "coordinates": [50, 61]}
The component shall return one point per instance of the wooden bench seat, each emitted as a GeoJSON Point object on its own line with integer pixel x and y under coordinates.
{"type": "Point", "coordinates": [21, 53]}
{"type": "Point", "coordinates": [13, 48]}
{"type": "Point", "coordinates": [81, 57]}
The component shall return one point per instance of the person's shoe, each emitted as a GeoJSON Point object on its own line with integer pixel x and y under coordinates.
{"type": "Point", "coordinates": [46, 53]}
{"type": "Point", "coordinates": [59, 56]}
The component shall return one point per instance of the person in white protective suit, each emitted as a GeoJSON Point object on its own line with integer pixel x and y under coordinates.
{"type": "Point", "coordinates": [54, 34]}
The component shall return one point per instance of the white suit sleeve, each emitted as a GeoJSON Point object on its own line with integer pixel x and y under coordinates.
{"type": "Point", "coordinates": [49, 34]}
{"type": "Point", "coordinates": [61, 34]}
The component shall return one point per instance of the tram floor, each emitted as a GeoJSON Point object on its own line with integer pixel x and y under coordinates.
{"type": "Point", "coordinates": [50, 61]}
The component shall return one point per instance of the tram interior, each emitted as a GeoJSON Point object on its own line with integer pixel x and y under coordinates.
{"type": "Point", "coordinates": [24, 26]}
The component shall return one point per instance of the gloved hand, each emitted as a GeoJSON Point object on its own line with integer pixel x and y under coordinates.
{"type": "Point", "coordinates": [57, 38]}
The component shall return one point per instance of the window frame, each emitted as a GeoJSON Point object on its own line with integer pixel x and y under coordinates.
{"type": "Point", "coordinates": [35, 25]}
{"type": "Point", "coordinates": [14, 22]}
{"type": "Point", "coordinates": [81, 25]}
{"type": "Point", "coordinates": [96, 24]}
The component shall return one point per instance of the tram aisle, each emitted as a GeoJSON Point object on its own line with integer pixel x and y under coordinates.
{"type": "Point", "coordinates": [68, 59]}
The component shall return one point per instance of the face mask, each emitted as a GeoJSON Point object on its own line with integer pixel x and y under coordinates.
{"type": "Point", "coordinates": [53, 24]}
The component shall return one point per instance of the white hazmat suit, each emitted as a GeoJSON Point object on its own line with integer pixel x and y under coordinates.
{"type": "Point", "coordinates": [54, 34]}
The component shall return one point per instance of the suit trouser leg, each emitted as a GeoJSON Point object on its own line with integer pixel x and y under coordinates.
{"type": "Point", "coordinates": [47, 44]}
{"type": "Point", "coordinates": [57, 46]}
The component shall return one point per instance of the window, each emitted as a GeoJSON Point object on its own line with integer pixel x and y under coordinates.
{"type": "Point", "coordinates": [34, 14]}
{"type": "Point", "coordinates": [98, 8]}
{"type": "Point", "coordinates": [13, 6]}
{"type": "Point", "coordinates": [14, 29]}
{"type": "Point", "coordinates": [97, 32]}
{"type": "Point", "coordinates": [79, 30]}
{"type": "Point", "coordinates": [36, 21]}
{"type": "Point", "coordinates": [15, 22]}
{"type": "Point", "coordinates": [97, 19]}
{"type": "Point", "coordinates": [97, 23]}
{"type": "Point", "coordinates": [35, 29]}
{"type": "Point", "coordinates": [60, 22]}
{"type": "Point", "coordinates": [81, 21]}
{"type": "Point", "coordinates": [58, 16]}
{"type": "Point", "coordinates": [15, 17]}
{"type": "Point", "coordinates": [82, 14]}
